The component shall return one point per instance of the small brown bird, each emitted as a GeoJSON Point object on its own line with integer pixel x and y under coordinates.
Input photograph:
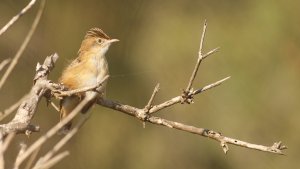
{"type": "Point", "coordinates": [86, 70]}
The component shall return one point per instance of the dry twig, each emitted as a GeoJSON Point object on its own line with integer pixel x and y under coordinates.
{"type": "Point", "coordinates": [25, 42]}
{"type": "Point", "coordinates": [150, 102]}
{"type": "Point", "coordinates": [15, 18]}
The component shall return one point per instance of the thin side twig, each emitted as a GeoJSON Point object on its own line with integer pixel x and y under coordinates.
{"type": "Point", "coordinates": [15, 18]}
{"type": "Point", "coordinates": [211, 52]}
{"type": "Point", "coordinates": [178, 99]}
{"type": "Point", "coordinates": [24, 44]}
{"type": "Point", "coordinates": [54, 106]}
{"type": "Point", "coordinates": [156, 89]}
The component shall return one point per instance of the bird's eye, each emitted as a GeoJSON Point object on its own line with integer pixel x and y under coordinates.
{"type": "Point", "coordinates": [99, 41]}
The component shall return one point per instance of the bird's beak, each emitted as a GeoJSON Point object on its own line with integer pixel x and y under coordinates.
{"type": "Point", "coordinates": [113, 40]}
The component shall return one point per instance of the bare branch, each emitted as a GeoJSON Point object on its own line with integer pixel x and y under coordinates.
{"type": "Point", "coordinates": [58, 126]}
{"type": "Point", "coordinates": [142, 115]}
{"type": "Point", "coordinates": [15, 18]}
{"type": "Point", "coordinates": [21, 121]}
{"type": "Point", "coordinates": [217, 136]}
{"type": "Point", "coordinates": [146, 114]}
{"type": "Point", "coordinates": [43, 87]}
{"type": "Point", "coordinates": [25, 42]}
{"type": "Point", "coordinates": [4, 63]}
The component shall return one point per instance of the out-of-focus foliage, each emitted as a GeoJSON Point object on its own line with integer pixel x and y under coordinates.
{"type": "Point", "coordinates": [159, 41]}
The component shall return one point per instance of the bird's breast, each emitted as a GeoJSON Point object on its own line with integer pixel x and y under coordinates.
{"type": "Point", "coordinates": [96, 70]}
{"type": "Point", "coordinates": [89, 70]}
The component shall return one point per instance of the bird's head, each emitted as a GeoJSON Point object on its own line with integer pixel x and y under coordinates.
{"type": "Point", "coordinates": [97, 41]}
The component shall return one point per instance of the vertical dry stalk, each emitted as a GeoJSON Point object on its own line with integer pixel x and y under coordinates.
{"type": "Point", "coordinates": [24, 44]}
{"type": "Point", "coordinates": [15, 18]}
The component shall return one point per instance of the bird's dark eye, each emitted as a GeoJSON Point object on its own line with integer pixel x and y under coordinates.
{"type": "Point", "coordinates": [99, 40]}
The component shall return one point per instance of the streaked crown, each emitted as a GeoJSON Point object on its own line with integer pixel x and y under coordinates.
{"type": "Point", "coordinates": [97, 33]}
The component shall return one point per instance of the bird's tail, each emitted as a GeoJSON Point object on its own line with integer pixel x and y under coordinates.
{"type": "Point", "coordinates": [67, 104]}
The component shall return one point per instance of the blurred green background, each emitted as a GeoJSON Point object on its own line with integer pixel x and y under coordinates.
{"type": "Point", "coordinates": [259, 42]}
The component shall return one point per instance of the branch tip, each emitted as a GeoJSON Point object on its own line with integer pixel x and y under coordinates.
{"type": "Point", "coordinates": [202, 37]}
{"type": "Point", "coordinates": [217, 49]}
{"type": "Point", "coordinates": [210, 86]}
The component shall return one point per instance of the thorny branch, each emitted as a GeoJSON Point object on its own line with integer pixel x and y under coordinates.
{"type": "Point", "coordinates": [44, 87]}
{"type": "Point", "coordinates": [187, 97]}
